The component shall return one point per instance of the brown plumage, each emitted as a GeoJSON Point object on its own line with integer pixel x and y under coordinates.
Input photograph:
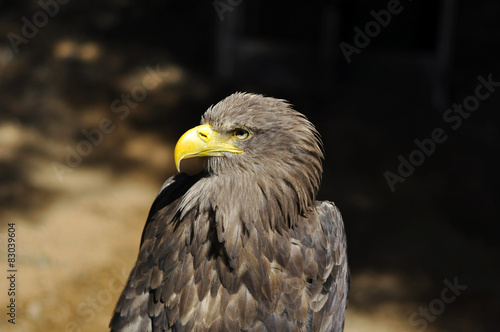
{"type": "Point", "coordinates": [243, 246]}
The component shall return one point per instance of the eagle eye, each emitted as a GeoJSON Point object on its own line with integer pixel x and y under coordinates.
{"type": "Point", "coordinates": [241, 134]}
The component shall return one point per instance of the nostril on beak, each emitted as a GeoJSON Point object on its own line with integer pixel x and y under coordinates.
{"type": "Point", "coordinates": [203, 135]}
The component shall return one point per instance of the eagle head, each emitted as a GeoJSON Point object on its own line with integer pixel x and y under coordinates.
{"type": "Point", "coordinates": [261, 139]}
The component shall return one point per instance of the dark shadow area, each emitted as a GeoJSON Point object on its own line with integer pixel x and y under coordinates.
{"type": "Point", "coordinates": [150, 69]}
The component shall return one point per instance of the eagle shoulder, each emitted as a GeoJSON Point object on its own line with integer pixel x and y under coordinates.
{"type": "Point", "coordinates": [330, 302]}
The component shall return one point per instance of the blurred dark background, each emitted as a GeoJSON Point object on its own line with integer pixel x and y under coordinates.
{"type": "Point", "coordinates": [63, 75]}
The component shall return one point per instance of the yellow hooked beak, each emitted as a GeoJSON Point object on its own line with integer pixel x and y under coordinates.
{"type": "Point", "coordinates": [202, 141]}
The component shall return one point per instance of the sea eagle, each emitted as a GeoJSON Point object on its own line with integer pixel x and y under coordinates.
{"type": "Point", "coordinates": [244, 245]}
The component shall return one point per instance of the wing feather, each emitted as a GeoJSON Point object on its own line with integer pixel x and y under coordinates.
{"type": "Point", "coordinates": [330, 302]}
